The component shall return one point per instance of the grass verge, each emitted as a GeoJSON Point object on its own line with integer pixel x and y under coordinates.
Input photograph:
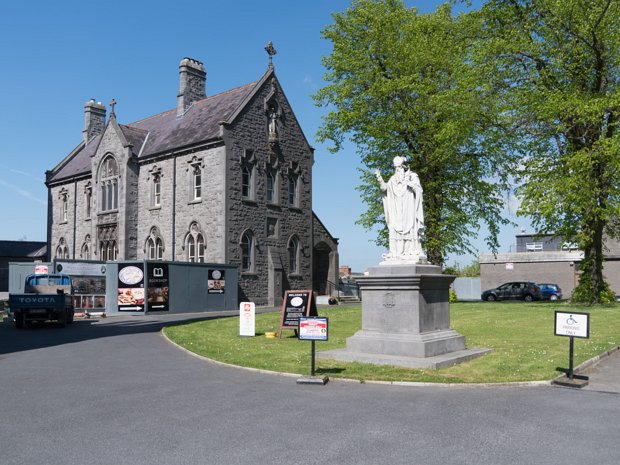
{"type": "Point", "coordinates": [520, 334]}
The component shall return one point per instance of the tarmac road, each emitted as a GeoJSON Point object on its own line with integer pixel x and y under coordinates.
{"type": "Point", "coordinates": [114, 391]}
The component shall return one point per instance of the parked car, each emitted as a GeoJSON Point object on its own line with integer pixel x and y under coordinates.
{"type": "Point", "coordinates": [516, 290]}
{"type": "Point", "coordinates": [550, 291]}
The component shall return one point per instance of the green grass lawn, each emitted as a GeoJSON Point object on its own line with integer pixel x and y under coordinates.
{"type": "Point", "coordinates": [520, 334]}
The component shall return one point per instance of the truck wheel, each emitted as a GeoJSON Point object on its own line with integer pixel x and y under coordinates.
{"type": "Point", "coordinates": [19, 320]}
{"type": "Point", "coordinates": [62, 320]}
{"type": "Point", "coordinates": [70, 318]}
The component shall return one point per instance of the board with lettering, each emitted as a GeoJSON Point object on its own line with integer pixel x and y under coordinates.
{"type": "Point", "coordinates": [296, 304]}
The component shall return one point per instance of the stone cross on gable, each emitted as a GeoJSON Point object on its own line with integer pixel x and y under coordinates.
{"type": "Point", "coordinates": [271, 51]}
{"type": "Point", "coordinates": [112, 104]}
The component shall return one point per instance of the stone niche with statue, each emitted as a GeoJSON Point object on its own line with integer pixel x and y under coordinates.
{"type": "Point", "coordinates": [405, 300]}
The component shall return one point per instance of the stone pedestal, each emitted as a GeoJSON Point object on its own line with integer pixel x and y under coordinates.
{"type": "Point", "coordinates": [405, 320]}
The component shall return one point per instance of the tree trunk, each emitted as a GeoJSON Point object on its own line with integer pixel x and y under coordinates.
{"type": "Point", "coordinates": [596, 273]}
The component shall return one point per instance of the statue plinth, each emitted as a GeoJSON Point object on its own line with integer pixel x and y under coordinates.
{"type": "Point", "coordinates": [405, 320]}
{"type": "Point", "coordinates": [402, 261]}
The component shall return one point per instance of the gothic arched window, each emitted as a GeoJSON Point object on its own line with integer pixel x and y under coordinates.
{"type": "Point", "coordinates": [108, 182]}
{"type": "Point", "coordinates": [247, 252]}
{"type": "Point", "coordinates": [154, 246]}
{"type": "Point", "coordinates": [108, 250]}
{"type": "Point", "coordinates": [195, 244]}
{"type": "Point", "coordinates": [293, 255]}
{"type": "Point", "coordinates": [86, 248]}
{"type": "Point", "coordinates": [62, 251]}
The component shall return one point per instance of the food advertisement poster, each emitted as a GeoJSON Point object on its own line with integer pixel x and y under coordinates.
{"type": "Point", "coordinates": [217, 282]}
{"type": "Point", "coordinates": [157, 287]}
{"type": "Point", "coordinates": [131, 288]}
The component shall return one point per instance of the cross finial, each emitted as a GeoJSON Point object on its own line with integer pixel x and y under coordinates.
{"type": "Point", "coordinates": [112, 104]}
{"type": "Point", "coordinates": [271, 51]}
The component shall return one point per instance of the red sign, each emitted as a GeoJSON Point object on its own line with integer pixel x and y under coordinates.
{"type": "Point", "coordinates": [313, 328]}
{"type": "Point", "coordinates": [41, 269]}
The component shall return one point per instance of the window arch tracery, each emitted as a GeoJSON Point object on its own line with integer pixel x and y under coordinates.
{"type": "Point", "coordinates": [154, 245]}
{"type": "Point", "coordinates": [62, 251]}
{"type": "Point", "coordinates": [194, 244]}
{"type": "Point", "coordinates": [108, 184]}
{"type": "Point", "coordinates": [85, 251]}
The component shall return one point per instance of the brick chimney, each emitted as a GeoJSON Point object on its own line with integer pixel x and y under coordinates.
{"type": "Point", "coordinates": [192, 82]}
{"type": "Point", "coordinates": [94, 119]}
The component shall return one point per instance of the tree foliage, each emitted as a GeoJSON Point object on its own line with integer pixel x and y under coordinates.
{"type": "Point", "coordinates": [555, 66]}
{"type": "Point", "coordinates": [402, 83]}
{"type": "Point", "coordinates": [468, 271]}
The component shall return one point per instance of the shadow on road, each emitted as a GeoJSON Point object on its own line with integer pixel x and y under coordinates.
{"type": "Point", "coordinates": [38, 336]}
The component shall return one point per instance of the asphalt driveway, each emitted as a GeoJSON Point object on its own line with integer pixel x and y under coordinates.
{"type": "Point", "coordinates": [114, 391]}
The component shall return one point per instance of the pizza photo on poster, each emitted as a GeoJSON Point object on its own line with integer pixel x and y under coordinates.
{"type": "Point", "coordinates": [158, 288]}
{"type": "Point", "coordinates": [130, 288]}
{"type": "Point", "coordinates": [216, 282]}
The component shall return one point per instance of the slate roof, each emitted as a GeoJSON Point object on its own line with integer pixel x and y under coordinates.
{"type": "Point", "coordinates": [23, 249]}
{"type": "Point", "coordinates": [163, 132]}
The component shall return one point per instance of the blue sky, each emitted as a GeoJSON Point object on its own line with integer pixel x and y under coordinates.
{"type": "Point", "coordinates": [57, 55]}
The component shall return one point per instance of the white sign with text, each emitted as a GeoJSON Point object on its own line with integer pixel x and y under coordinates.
{"type": "Point", "coordinates": [247, 319]}
{"type": "Point", "coordinates": [572, 324]}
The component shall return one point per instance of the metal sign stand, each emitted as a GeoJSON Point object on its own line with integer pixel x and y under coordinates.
{"type": "Point", "coordinates": [313, 379]}
{"type": "Point", "coordinates": [313, 336]}
{"type": "Point", "coordinates": [572, 325]}
{"type": "Point", "coordinates": [571, 375]}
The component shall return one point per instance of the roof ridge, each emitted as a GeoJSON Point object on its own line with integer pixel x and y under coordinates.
{"type": "Point", "coordinates": [253, 83]}
{"type": "Point", "coordinates": [133, 129]}
{"type": "Point", "coordinates": [149, 117]}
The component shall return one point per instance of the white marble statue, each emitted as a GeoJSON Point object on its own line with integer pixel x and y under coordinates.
{"type": "Point", "coordinates": [404, 214]}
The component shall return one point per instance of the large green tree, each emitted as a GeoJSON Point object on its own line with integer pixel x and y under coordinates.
{"type": "Point", "coordinates": [401, 83]}
{"type": "Point", "coordinates": [555, 65]}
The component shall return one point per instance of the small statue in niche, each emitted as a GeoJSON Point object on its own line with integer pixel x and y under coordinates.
{"type": "Point", "coordinates": [273, 123]}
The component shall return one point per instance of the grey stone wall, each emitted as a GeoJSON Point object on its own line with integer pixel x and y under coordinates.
{"type": "Point", "coordinates": [178, 210]}
{"type": "Point", "coordinates": [149, 215]}
{"type": "Point", "coordinates": [250, 132]}
{"type": "Point", "coordinates": [192, 83]}
{"type": "Point", "coordinates": [326, 259]}
{"type": "Point", "coordinates": [613, 247]}
{"type": "Point", "coordinates": [84, 224]}
{"type": "Point", "coordinates": [548, 242]}
{"type": "Point", "coordinates": [94, 119]}
{"type": "Point", "coordinates": [78, 225]}
{"type": "Point", "coordinates": [611, 272]}
{"type": "Point", "coordinates": [61, 229]}
{"type": "Point", "coordinates": [111, 144]}
{"type": "Point", "coordinates": [559, 268]}
{"type": "Point", "coordinates": [208, 212]}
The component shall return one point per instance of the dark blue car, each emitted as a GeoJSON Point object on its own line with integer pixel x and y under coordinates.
{"type": "Point", "coordinates": [550, 291]}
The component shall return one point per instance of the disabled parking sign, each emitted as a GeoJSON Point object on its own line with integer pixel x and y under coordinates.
{"type": "Point", "coordinates": [572, 324]}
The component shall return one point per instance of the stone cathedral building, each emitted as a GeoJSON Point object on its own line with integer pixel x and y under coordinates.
{"type": "Point", "coordinates": [223, 178]}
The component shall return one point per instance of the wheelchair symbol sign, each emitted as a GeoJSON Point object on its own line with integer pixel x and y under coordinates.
{"type": "Point", "coordinates": [572, 324]}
